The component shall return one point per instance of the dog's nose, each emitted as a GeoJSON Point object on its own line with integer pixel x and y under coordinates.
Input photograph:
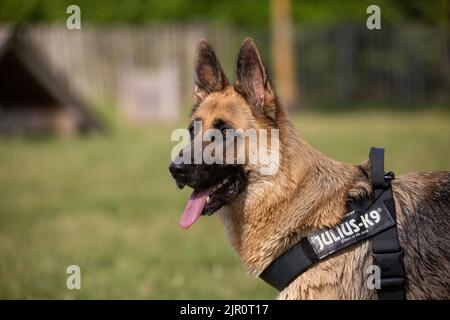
{"type": "Point", "coordinates": [177, 169]}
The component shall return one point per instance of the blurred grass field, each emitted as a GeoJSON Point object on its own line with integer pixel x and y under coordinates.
{"type": "Point", "coordinates": [108, 204]}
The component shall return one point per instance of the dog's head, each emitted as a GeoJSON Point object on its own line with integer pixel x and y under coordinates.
{"type": "Point", "coordinates": [250, 103]}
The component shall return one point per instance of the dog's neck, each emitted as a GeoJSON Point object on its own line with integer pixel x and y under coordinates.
{"type": "Point", "coordinates": [309, 191]}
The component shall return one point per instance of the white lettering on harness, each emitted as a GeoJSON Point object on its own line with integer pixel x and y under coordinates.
{"type": "Point", "coordinates": [347, 229]}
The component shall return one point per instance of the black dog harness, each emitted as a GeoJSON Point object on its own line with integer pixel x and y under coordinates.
{"type": "Point", "coordinates": [370, 218]}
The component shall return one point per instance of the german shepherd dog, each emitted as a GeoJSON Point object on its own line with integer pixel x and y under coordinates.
{"type": "Point", "coordinates": [265, 215]}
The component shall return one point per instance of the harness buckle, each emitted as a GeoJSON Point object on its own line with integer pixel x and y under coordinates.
{"type": "Point", "coordinates": [388, 177]}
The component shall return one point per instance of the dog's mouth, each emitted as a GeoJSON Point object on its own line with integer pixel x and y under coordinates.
{"type": "Point", "coordinates": [208, 200]}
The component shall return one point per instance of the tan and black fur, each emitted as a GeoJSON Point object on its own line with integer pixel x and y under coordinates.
{"type": "Point", "coordinates": [310, 191]}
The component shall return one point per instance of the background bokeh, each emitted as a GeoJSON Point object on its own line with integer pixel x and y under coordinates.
{"type": "Point", "coordinates": [106, 201]}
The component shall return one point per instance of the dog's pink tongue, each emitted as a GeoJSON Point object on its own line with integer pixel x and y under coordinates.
{"type": "Point", "coordinates": [194, 208]}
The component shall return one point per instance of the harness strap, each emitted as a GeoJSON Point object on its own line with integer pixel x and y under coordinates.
{"type": "Point", "coordinates": [363, 220]}
{"type": "Point", "coordinates": [366, 218]}
{"type": "Point", "coordinates": [290, 265]}
{"type": "Point", "coordinates": [386, 251]}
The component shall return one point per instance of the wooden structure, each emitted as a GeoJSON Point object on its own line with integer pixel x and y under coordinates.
{"type": "Point", "coordinates": [151, 95]}
{"type": "Point", "coordinates": [33, 99]}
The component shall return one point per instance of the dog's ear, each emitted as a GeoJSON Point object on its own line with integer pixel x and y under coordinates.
{"type": "Point", "coordinates": [208, 74]}
{"type": "Point", "coordinates": [252, 80]}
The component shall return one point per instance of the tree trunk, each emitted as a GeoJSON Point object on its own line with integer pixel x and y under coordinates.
{"type": "Point", "coordinates": [283, 53]}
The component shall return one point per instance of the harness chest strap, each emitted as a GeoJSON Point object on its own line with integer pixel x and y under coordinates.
{"type": "Point", "coordinates": [364, 220]}
{"type": "Point", "coordinates": [386, 250]}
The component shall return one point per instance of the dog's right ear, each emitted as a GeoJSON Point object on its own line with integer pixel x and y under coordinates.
{"type": "Point", "coordinates": [253, 81]}
{"type": "Point", "coordinates": [208, 74]}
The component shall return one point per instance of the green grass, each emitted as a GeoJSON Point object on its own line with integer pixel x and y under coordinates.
{"type": "Point", "coordinates": [108, 204]}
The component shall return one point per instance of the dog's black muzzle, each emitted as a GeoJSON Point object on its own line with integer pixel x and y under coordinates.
{"type": "Point", "coordinates": [201, 176]}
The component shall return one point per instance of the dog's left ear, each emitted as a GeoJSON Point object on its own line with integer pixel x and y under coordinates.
{"type": "Point", "coordinates": [252, 80]}
{"type": "Point", "coordinates": [208, 74]}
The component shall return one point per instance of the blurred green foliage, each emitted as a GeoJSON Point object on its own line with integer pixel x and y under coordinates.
{"type": "Point", "coordinates": [247, 13]}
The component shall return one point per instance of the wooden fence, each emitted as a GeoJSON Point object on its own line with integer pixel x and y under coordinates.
{"type": "Point", "coordinates": [344, 64]}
